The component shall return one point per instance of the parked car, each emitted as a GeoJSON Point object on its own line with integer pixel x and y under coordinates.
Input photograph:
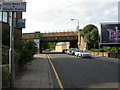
{"type": "Point", "coordinates": [64, 51]}
{"type": "Point", "coordinates": [78, 53]}
{"type": "Point", "coordinates": [85, 53]}
{"type": "Point", "coordinates": [68, 51]}
{"type": "Point", "coordinates": [71, 51]}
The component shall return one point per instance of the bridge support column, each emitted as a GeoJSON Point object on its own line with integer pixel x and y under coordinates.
{"type": "Point", "coordinates": [37, 36]}
{"type": "Point", "coordinates": [79, 38]}
{"type": "Point", "coordinates": [40, 47]}
{"type": "Point", "coordinates": [73, 44]}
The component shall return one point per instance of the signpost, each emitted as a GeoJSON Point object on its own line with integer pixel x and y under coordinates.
{"type": "Point", "coordinates": [12, 7]}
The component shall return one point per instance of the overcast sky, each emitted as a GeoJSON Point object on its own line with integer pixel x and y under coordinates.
{"type": "Point", "coordinates": [56, 15]}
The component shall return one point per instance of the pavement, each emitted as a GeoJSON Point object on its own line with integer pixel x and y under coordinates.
{"type": "Point", "coordinates": [36, 75]}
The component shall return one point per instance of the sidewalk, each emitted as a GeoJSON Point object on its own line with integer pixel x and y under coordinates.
{"type": "Point", "coordinates": [37, 74]}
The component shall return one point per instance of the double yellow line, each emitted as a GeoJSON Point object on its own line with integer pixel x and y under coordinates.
{"type": "Point", "coordinates": [57, 77]}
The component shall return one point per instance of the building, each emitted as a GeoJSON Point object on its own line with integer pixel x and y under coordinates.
{"type": "Point", "coordinates": [5, 21]}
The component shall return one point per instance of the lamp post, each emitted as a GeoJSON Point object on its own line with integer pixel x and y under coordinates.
{"type": "Point", "coordinates": [78, 44]}
{"type": "Point", "coordinates": [77, 22]}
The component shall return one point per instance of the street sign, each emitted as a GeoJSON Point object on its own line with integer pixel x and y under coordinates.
{"type": "Point", "coordinates": [21, 23]}
{"type": "Point", "coordinates": [13, 6]}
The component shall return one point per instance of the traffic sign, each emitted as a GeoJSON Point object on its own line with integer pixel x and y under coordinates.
{"type": "Point", "coordinates": [13, 6]}
{"type": "Point", "coordinates": [21, 23]}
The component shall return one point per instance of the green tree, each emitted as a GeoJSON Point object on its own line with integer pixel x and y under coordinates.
{"type": "Point", "coordinates": [52, 45]}
{"type": "Point", "coordinates": [26, 50]}
{"type": "Point", "coordinates": [90, 35]}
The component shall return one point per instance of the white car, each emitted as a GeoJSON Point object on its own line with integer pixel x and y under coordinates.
{"type": "Point", "coordinates": [71, 51]}
{"type": "Point", "coordinates": [78, 53]}
{"type": "Point", "coordinates": [85, 54]}
{"type": "Point", "coordinates": [68, 51]}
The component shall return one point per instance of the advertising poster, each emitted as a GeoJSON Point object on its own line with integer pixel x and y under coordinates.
{"type": "Point", "coordinates": [110, 34]}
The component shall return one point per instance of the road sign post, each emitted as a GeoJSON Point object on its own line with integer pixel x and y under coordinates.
{"type": "Point", "coordinates": [11, 53]}
{"type": "Point", "coordinates": [12, 7]}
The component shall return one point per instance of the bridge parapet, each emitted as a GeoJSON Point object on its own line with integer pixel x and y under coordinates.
{"type": "Point", "coordinates": [55, 34]}
{"type": "Point", "coordinates": [52, 36]}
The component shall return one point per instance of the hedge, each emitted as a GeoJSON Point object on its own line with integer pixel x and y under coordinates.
{"type": "Point", "coordinates": [108, 49]}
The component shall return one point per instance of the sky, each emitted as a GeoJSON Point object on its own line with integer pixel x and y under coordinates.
{"type": "Point", "coordinates": [55, 15]}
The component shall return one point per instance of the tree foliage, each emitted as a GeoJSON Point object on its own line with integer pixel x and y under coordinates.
{"type": "Point", "coordinates": [90, 35]}
{"type": "Point", "coordinates": [52, 45]}
{"type": "Point", "coordinates": [26, 50]}
{"type": "Point", "coordinates": [49, 45]}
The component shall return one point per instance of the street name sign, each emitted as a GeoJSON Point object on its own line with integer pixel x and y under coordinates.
{"type": "Point", "coordinates": [13, 6]}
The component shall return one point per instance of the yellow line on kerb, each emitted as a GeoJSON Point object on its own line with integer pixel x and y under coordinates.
{"type": "Point", "coordinates": [57, 77]}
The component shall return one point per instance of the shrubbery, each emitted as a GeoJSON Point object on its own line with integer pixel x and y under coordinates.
{"type": "Point", "coordinates": [26, 51]}
{"type": "Point", "coordinates": [108, 49]}
{"type": "Point", "coordinates": [5, 77]}
{"type": "Point", "coordinates": [23, 53]}
{"type": "Point", "coordinates": [5, 55]}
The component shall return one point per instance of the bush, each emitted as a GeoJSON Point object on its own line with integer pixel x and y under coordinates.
{"type": "Point", "coordinates": [26, 51]}
{"type": "Point", "coordinates": [108, 49]}
{"type": "Point", "coordinates": [5, 54]}
{"type": "Point", "coordinates": [5, 77]}
{"type": "Point", "coordinates": [94, 50]}
{"type": "Point", "coordinates": [115, 49]}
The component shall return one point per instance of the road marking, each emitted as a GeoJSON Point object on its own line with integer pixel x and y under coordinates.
{"type": "Point", "coordinates": [57, 77]}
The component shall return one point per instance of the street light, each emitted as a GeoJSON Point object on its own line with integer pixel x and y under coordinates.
{"type": "Point", "coordinates": [78, 31]}
{"type": "Point", "coordinates": [78, 23]}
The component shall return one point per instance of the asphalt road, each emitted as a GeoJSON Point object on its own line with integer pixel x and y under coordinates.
{"type": "Point", "coordinates": [77, 72]}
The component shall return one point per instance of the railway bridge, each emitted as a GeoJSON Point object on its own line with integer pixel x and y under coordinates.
{"type": "Point", "coordinates": [71, 37]}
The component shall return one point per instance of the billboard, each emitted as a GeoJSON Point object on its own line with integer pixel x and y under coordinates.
{"type": "Point", "coordinates": [110, 33]}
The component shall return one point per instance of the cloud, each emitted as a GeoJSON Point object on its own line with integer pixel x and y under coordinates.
{"type": "Point", "coordinates": [49, 15]}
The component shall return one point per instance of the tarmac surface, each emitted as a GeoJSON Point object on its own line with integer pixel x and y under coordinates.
{"type": "Point", "coordinates": [76, 72]}
{"type": "Point", "coordinates": [38, 74]}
